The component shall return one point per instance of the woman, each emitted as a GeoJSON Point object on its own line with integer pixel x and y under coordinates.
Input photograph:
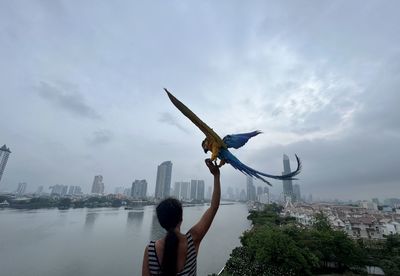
{"type": "Point", "coordinates": [176, 253]}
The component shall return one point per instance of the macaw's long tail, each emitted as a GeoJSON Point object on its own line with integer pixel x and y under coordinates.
{"type": "Point", "coordinates": [234, 162]}
{"type": "Point", "coordinates": [238, 140]}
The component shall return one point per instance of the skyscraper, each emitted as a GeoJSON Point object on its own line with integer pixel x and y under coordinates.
{"type": "Point", "coordinates": [21, 188]}
{"type": "Point", "coordinates": [185, 190]}
{"type": "Point", "coordinates": [296, 192]}
{"type": "Point", "coordinates": [163, 182]}
{"type": "Point", "coordinates": [259, 190]}
{"type": "Point", "coordinates": [200, 190]}
{"type": "Point", "coordinates": [251, 189]}
{"type": "Point", "coordinates": [376, 201]}
{"type": "Point", "coordinates": [229, 193]}
{"type": "Point", "coordinates": [119, 190]}
{"type": "Point", "coordinates": [78, 190]}
{"type": "Point", "coordinates": [287, 184]}
{"type": "Point", "coordinates": [177, 190]}
{"type": "Point", "coordinates": [242, 195]}
{"type": "Point", "coordinates": [59, 190]}
{"type": "Point", "coordinates": [39, 190]}
{"type": "Point", "coordinates": [98, 185]}
{"type": "Point", "coordinates": [127, 191]}
{"type": "Point", "coordinates": [71, 190]}
{"type": "Point", "coordinates": [139, 189]}
{"type": "Point", "coordinates": [193, 189]}
{"type": "Point", "coordinates": [209, 191]}
{"type": "Point", "coordinates": [4, 153]}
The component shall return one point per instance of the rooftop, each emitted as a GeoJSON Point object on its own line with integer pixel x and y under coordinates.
{"type": "Point", "coordinates": [4, 148]}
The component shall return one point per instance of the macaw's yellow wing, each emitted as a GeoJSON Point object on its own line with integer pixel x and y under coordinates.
{"type": "Point", "coordinates": [209, 132]}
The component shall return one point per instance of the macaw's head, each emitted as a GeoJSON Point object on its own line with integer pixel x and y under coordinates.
{"type": "Point", "coordinates": [204, 145]}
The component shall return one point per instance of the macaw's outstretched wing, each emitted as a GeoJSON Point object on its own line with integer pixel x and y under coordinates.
{"type": "Point", "coordinates": [209, 132]}
{"type": "Point", "coordinates": [234, 162]}
{"type": "Point", "coordinates": [238, 140]}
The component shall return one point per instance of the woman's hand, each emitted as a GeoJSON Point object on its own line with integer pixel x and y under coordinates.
{"type": "Point", "coordinates": [214, 169]}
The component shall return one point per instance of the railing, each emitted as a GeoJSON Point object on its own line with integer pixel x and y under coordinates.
{"type": "Point", "coordinates": [222, 270]}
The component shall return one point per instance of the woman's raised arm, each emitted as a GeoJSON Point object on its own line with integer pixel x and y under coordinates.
{"type": "Point", "coordinates": [199, 230]}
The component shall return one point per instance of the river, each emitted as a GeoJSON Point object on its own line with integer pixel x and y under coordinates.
{"type": "Point", "coordinates": [104, 241]}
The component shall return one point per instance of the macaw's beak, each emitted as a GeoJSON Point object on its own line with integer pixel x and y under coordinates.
{"type": "Point", "coordinates": [205, 150]}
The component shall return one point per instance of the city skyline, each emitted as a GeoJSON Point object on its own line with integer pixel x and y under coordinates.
{"type": "Point", "coordinates": [322, 88]}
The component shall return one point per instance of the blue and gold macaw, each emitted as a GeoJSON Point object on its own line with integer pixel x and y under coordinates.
{"type": "Point", "coordinates": [219, 147]}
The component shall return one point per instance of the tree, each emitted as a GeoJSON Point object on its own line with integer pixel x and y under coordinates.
{"type": "Point", "coordinates": [64, 202]}
{"type": "Point", "coordinates": [278, 246]}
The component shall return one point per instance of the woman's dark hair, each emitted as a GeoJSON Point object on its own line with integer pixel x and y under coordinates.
{"type": "Point", "coordinates": [169, 214]}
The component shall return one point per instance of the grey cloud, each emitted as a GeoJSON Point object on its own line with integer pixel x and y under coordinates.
{"type": "Point", "coordinates": [358, 165]}
{"type": "Point", "coordinates": [66, 97]}
{"type": "Point", "coordinates": [167, 118]}
{"type": "Point", "coordinates": [274, 48]}
{"type": "Point", "coordinates": [380, 110]}
{"type": "Point", "coordinates": [305, 130]}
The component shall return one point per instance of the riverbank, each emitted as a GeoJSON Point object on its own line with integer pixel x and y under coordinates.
{"type": "Point", "coordinates": [63, 203]}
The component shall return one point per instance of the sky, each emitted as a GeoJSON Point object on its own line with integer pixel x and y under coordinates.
{"type": "Point", "coordinates": [82, 91]}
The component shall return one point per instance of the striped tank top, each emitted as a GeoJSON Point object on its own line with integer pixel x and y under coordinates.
{"type": "Point", "coordinates": [190, 266]}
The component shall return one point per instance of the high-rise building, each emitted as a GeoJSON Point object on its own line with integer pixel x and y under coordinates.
{"type": "Point", "coordinates": [78, 190]}
{"type": "Point", "coordinates": [193, 189]}
{"type": "Point", "coordinates": [376, 201]}
{"type": "Point", "coordinates": [197, 189]}
{"type": "Point", "coordinates": [98, 185]}
{"type": "Point", "coordinates": [209, 191]}
{"type": "Point", "coordinates": [296, 192]}
{"type": "Point", "coordinates": [64, 190]}
{"type": "Point", "coordinates": [39, 190]}
{"type": "Point", "coordinates": [287, 184]}
{"type": "Point", "coordinates": [139, 189]}
{"type": "Point", "coordinates": [59, 190]}
{"type": "Point", "coordinates": [263, 195]}
{"type": "Point", "coordinates": [177, 190]}
{"type": "Point", "coordinates": [71, 190]}
{"type": "Point", "coordinates": [21, 188]}
{"type": "Point", "coordinates": [4, 153]}
{"type": "Point", "coordinates": [185, 191]}
{"type": "Point", "coordinates": [119, 190]}
{"type": "Point", "coordinates": [229, 193]}
{"type": "Point", "coordinates": [263, 198]}
{"type": "Point", "coordinates": [242, 196]}
{"type": "Point", "coordinates": [259, 190]}
{"type": "Point", "coordinates": [200, 190]}
{"type": "Point", "coordinates": [163, 182]}
{"type": "Point", "coordinates": [251, 189]}
{"type": "Point", "coordinates": [127, 191]}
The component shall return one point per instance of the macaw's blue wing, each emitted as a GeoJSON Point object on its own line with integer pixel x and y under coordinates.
{"type": "Point", "coordinates": [238, 140]}
{"type": "Point", "coordinates": [226, 155]}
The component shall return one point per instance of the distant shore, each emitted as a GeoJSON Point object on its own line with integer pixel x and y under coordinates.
{"type": "Point", "coordinates": [64, 203]}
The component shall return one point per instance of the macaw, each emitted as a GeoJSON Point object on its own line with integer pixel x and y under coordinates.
{"type": "Point", "coordinates": [220, 147]}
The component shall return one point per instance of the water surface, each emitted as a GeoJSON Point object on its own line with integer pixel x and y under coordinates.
{"type": "Point", "coordinates": [104, 241]}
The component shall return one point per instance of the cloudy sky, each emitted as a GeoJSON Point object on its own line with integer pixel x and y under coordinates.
{"type": "Point", "coordinates": [82, 90]}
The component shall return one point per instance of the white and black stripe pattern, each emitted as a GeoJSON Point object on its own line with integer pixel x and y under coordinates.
{"type": "Point", "coordinates": [191, 263]}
